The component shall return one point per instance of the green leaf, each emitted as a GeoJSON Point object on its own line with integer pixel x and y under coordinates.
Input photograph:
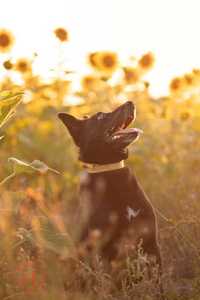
{"type": "Point", "coordinates": [20, 166]}
{"type": "Point", "coordinates": [6, 95]}
{"type": "Point", "coordinates": [7, 178]}
{"type": "Point", "coordinates": [42, 167]}
{"type": "Point", "coordinates": [8, 103]}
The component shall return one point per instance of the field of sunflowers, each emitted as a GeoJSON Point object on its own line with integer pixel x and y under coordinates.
{"type": "Point", "coordinates": [40, 172]}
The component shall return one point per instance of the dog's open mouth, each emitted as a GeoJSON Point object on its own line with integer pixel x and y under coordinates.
{"type": "Point", "coordinates": [124, 130]}
{"type": "Point", "coordinates": [121, 132]}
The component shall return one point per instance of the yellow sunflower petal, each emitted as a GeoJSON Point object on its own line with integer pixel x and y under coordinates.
{"type": "Point", "coordinates": [131, 75]}
{"type": "Point", "coordinates": [190, 79]}
{"type": "Point", "coordinates": [91, 83]}
{"type": "Point", "coordinates": [92, 59]}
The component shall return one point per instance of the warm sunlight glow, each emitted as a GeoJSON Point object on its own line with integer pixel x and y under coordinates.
{"type": "Point", "coordinates": [99, 149]}
{"type": "Point", "coordinates": [129, 27]}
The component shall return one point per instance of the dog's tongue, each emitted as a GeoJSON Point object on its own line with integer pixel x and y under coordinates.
{"type": "Point", "coordinates": [129, 130]}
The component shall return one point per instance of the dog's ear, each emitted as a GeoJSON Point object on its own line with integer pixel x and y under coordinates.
{"type": "Point", "coordinates": [73, 125]}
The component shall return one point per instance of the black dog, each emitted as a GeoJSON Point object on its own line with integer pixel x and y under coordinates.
{"type": "Point", "coordinates": [118, 203]}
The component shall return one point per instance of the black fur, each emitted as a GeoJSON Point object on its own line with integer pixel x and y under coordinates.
{"type": "Point", "coordinates": [103, 139]}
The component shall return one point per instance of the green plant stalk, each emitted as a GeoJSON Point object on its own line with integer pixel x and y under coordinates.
{"type": "Point", "coordinates": [7, 178]}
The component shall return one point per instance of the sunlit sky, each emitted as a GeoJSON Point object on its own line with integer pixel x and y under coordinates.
{"type": "Point", "coordinates": [169, 28]}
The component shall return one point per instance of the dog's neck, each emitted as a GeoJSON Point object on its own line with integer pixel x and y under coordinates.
{"type": "Point", "coordinates": [96, 168]}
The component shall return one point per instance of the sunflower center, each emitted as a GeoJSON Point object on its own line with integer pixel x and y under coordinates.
{"type": "Point", "coordinates": [61, 34]}
{"type": "Point", "coordinates": [4, 40]}
{"type": "Point", "coordinates": [22, 66]}
{"type": "Point", "coordinates": [146, 60]}
{"type": "Point", "coordinates": [175, 85]}
{"type": "Point", "coordinates": [7, 65]}
{"type": "Point", "coordinates": [108, 61]}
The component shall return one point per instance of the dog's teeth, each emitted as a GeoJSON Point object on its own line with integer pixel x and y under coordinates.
{"type": "Point", "coordinates": [116, 137]}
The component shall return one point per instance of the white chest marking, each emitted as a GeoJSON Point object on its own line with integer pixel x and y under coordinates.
{"type": "Point", "coordinates": [131, 213]}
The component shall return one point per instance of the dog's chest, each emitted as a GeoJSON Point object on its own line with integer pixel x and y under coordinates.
{"type": "Point", "coordinates": [105, 195]}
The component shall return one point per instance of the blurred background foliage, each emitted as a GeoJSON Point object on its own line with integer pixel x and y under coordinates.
{"type": "Point", "coordinates": [39, 207]}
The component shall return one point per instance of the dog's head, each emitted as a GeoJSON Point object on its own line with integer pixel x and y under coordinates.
{"type": "Point", "coordinates": [103, 138]}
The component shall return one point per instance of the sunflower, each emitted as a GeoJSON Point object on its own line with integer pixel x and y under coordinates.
{"type": "Point", "coordinates": [91, 83]}
{"type": "Point", "coordinates": [6, 40]}
{"type": "Point", "coordinates": [7, 65]}
{"type": "Point", "coordinates": [189, 79]}
{"type": "Point", "coordinates": [177, 84]}
{"type": "Point", "coordinates": [147, 61]}
{"type": "Point", "coordinates": [131, 75]}
{"type": "Point", "coordinates": [23, 65]}
{"type": "Point", "coordinates": [61, 34]}
{"type": "Point", "coordinates": [105, 62]}
{"type": "Point", "coordinates": [108, 61]}
{"type": "Point", "coordinates": [92, 59]}
{"type": "Point", "coordinates": [196, 74]}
